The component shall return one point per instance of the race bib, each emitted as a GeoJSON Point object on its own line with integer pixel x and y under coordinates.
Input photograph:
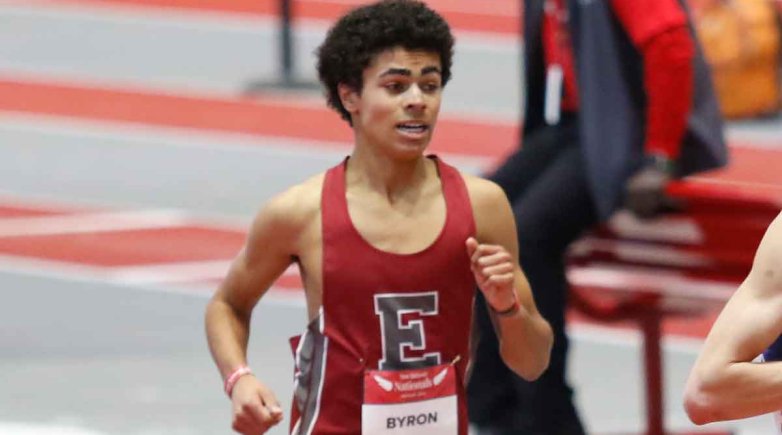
{"type": "Point", "coordinates": [416, 401]}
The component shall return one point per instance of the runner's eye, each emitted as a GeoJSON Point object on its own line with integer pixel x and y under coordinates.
{"type": "Point", "coordinates": [431, 87]}
{"type": "Point", "coordinates": [396, 87]}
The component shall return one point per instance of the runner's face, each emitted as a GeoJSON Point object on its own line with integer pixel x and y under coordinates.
{"type": "Point", "coordinates": [398, 106]}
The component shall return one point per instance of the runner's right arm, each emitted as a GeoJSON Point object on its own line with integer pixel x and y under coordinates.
{"type": "Point", "coordinates": [267, 253]}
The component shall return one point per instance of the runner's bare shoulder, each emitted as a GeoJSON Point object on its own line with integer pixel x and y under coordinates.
{"type": "Point", "coordinates": [299, 200]}
{"type": "Point", "coordinates": [485, 195]}
{"type": "Point", "coordinates": [289, 212]}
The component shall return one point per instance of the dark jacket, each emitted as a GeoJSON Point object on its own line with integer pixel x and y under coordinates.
{"type": "Point", "coordinates": [612, 115]}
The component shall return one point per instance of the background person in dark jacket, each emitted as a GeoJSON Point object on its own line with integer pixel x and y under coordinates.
{"type": "Point", "coordinates": [618, 102]}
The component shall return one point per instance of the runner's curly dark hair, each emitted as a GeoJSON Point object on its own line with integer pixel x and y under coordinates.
{"type": "Point", "coordinates": [366, 31]}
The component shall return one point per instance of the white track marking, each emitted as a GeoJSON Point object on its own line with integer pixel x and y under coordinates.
{"type": "Point", "coordinates": [91, 223]}
{"type": "Point", "coordinates": [170, 272]}
{"type": "Point", "coordinates": [181, 272]}
{"type": "Point", "coordinates": [194, 272]}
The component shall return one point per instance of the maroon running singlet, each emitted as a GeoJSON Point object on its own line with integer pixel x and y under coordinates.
{"type": "Point", "coordinates": [385, 311]}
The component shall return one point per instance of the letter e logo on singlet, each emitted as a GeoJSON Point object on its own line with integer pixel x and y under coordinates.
{"type": "Point", "coordinates": [398, 335]}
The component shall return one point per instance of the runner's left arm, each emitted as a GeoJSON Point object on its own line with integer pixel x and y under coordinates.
{"type": "Point", "coordinates": [525, 337]}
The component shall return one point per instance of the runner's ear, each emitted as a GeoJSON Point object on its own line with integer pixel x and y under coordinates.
{"type": "Point", "coordinates": [349, 97]}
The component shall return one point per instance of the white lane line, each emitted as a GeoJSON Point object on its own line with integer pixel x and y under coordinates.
{"type": "Point", "coordinates": [124, 275]}
{"type": "Point", "coordinates": [59, 270]}
{"type": "Point", "coordinates": [92, 223]}
{"type": "Point", "coordinates": [170, 272]}
{"type": "Point", "coordinates": [192, 273]}
{"type": "Point", "coordinates": [49, 268]}
{"type": "Point", "coordinates": [180, 272]}
{"type": "Point", "coordinates": [68, 205]}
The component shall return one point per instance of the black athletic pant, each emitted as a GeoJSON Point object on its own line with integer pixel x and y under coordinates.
{"type": "Point", "coordinates": [546, 183]}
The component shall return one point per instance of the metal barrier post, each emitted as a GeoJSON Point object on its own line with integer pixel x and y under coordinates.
{"type": "Point", "coordinates": [287, 74]}
{"type": "Point", "coordinates": [286, 42]}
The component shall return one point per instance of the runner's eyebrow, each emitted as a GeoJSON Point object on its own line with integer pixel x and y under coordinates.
{"type": "Point", "coordinates": [397, 71]}
{"type": "Point", "coordinates": [431, 70]}
{"type": "Point", "coordinates": [407, 73]}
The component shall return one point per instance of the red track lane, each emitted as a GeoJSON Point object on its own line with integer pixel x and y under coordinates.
{"type": "Point", "coordinates": [259, 116]}
{"type": "Point", "coordinates": [496, 16]}
{"type": "Point", "coordinates": [128, 248]}
{"type": "Point", "coordinates": [13, 211]}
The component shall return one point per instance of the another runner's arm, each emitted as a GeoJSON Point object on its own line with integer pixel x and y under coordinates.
{"type": "Point", "coordinates": [268, 251]}
{"type": "Point", "coordinates": [724, 384]}
{"type": "Point", "coordinates": [525, 337]}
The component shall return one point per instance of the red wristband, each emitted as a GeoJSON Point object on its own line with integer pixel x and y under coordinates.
{"type": "Point", "coordinates": [230, 381]}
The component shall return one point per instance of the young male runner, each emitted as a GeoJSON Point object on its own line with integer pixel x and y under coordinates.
{"type": "Point", "coordinates": [390, 243]}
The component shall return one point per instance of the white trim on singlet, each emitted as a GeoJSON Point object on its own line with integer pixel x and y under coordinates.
{"type": "Point", "coordinates": [322, 321]}
{"type": "Point", "coordinates": [320, 386]}
{"type": "Point", "coordinates": [297, 358]}
{"type": "Point", "coordinates": [296, 426]}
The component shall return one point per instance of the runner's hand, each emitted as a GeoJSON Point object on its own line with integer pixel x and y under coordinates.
{"type": "Point", "coordinates": [494, 271]}
{"type": "Point", "coordinates": [255, 407]}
